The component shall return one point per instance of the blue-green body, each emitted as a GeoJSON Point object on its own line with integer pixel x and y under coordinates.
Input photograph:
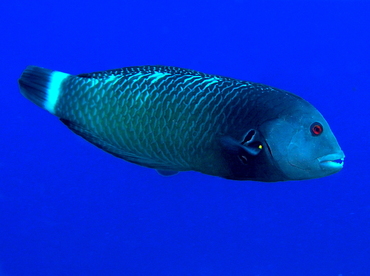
{"type": "Point", "coordinates": [174, 119]}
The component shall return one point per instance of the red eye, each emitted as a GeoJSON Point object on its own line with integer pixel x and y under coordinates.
{"type": "Point", "coordinates": [316, 129]}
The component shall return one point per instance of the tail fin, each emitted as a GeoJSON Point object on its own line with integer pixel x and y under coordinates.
{"type": "Point", "coordinates": [42, 86]}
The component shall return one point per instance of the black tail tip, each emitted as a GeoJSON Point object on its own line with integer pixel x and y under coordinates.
{"type": "Point", "coordinates": [34, 83]}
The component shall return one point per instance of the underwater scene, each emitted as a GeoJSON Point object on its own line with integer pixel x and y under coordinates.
{"type": "Point", "coordinates": [185, 138]}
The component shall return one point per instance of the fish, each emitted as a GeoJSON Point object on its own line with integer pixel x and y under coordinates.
{"type": "Point", "coordinates": [173, 119]}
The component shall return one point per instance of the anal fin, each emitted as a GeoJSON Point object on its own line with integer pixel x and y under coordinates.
{"type": "Point", "coordinates": [84, 133]}
{"type": "Point", "coordinates": [95, 139]}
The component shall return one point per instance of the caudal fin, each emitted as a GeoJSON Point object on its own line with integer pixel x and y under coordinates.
{"type": "Point", "coordinates": [42, 86]}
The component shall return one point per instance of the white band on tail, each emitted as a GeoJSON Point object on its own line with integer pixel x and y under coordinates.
{"type": "Point", "coordinates": [53, 91]}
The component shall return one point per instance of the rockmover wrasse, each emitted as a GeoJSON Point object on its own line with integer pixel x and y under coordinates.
{"type": "Point", "coordinates": [173, 119]}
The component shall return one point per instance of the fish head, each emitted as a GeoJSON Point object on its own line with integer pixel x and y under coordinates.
{"type": "Point", "coordinates": [301, 145]}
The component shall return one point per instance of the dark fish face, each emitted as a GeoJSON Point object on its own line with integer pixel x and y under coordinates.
{"type": "Point", "coordinates": [302, 145]}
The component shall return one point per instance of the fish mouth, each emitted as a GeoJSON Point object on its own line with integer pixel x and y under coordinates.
{"type": "Point", "coordinates": [332, 162]}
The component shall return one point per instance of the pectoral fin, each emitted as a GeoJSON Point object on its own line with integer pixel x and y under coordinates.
{"type": "Point", "coordinates": [244, 150]}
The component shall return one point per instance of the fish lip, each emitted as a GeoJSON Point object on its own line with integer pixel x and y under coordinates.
{"type": "Point", "coordinates": [333, 161]}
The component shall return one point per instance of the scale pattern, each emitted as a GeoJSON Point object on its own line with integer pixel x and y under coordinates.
{"type": "Point", "coordinates": [162, 117]}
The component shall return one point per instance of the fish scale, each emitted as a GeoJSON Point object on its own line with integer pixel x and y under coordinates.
{"type": "Point", "coordinates": [138, 85]}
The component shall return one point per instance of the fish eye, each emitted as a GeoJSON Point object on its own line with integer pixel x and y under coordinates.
{"type": "Point", "coordinates": [316, 129]}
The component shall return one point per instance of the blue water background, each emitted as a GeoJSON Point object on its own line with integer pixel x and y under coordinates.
{"type": "Point", "coordinates": [67, 208]}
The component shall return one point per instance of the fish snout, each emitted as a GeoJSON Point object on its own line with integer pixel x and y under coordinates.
{"type": "Point", "coordinates": [332, 162]}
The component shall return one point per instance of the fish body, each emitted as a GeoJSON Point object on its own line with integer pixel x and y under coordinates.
{"type": "Point", "coordinates": [173, 119]}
